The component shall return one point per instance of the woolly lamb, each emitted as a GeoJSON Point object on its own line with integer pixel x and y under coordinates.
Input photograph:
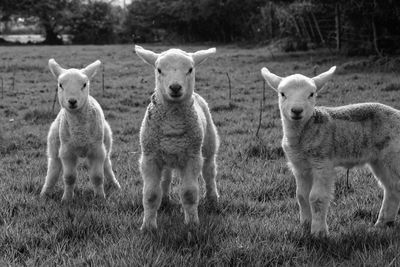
{"type": "Point", "coordinates": [317, 139]}
{"type": "Point", "coordinates": [177, 132]}
{"type": "Point", "coordinates": [79, 130]}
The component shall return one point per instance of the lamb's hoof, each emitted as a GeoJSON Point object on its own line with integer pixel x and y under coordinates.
{"type": "Point", "coordinates": [319, 234]}
{"type": "Point", "coordinates": [44, 194]}
{"type": "Point", "coordinates": [382, 224]}
{"type": "Point", "coordinates": [114, 186]}
{"type": "Point", "coordinates": [66, 200]}
{"type": "Point", "coordinates": [192, 224]}
{"type": "Point", "coordinates": [192, 220]}
{"type": "Point", "coordinates": [319, 231]}
{"type": "Point", "coordinates": [165, 201]}
{"type": "Point", "coordinates": [306, 227]}
{"type": "Point", "coordinates": [211, 202]}
{"type": "Point", "coordinates": [148, 227]}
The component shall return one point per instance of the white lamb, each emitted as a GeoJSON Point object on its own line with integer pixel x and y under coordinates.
{"type": "Point", "coordinates": [317, 139]}
{"type": "Point", "coordinates": [79, 130]}
{"type": "Point", "coordinates": [177, 132]}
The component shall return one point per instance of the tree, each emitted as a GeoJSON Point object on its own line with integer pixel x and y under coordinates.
{"type": "Point", "coordinates": [94, 24]}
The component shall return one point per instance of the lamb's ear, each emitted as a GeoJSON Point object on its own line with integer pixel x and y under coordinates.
{"type": "Point", "coordinates": [272, 79]}
{"type": "Point", "coordinates": [91, 69]}
{"type": "Point", "coordinates": [202, 55]}
{"type": "Point", "coordinates": [321, 79]}
{"type": "Point", "coordinates": [146, 55]}
{"type": "Point", "coordinates": [55, 68]}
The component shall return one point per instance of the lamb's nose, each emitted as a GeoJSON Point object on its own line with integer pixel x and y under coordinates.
{"type": "Point", "coordinates": [297, 111]}
{"type": "Point", "coordinates": [175, 88]}
{"type": "Point", "coordinates": [72, 102]}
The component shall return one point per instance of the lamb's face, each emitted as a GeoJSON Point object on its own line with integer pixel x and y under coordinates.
{"type": "Point", "coordinates": [174, 72]}
{"type": "Point", "coordinates": [73, 89]}
{"type": "Point", "coordinates": [297, 97]}
{"type": "Point", "coordinates": [297, 93]}
{"type": "Point", "coordinates": [73, 84]}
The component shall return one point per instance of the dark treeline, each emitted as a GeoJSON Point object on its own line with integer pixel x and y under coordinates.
{"type": "Point", "coordinates": [352, 26]}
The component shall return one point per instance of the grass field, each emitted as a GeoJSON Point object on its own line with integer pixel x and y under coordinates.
{"type": "Point", "coordinates": [256, 221]}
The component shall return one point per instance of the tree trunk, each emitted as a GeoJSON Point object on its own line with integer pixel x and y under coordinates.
{"type": "Point", "coordinates": [52, 37]}
{"type": "Point", "coordinates": [317, 27]}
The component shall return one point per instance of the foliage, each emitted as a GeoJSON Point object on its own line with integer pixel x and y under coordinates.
{"type": "Point", "coordinates": [94, 24]}
{"type": "Point", "coordinates": [350, 26]}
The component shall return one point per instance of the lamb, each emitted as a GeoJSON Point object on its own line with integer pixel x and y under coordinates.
{"type": "Point", "coordinates": [317, 139]}
{"type": "Point", "coordinates": [80, 130]}
{"type": "Point", "coordinates": [177, 133]}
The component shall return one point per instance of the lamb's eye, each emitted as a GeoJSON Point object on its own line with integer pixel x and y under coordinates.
{"type": "Point", "coordinates": [159, 71]}
{"type": "Point", "coordinates": [282, 95]}
{"type": "Point", "coordinates": [311, 95]}
{"type": "Point", "coordinates": [60, 85]}
{"type": "Point", "coordinates": [84, 85]}
{"type": "Point", "coordinates": [190, 70]}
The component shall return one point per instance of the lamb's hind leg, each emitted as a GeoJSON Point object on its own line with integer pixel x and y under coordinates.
{"type": "Point", "coordinates": [209, 175]}
{"type": "Point", "coordinates": [320, 197]}
{"type": "Point", "coordinates": [108, 171]}
{"type": "Point", "coordinates": [97, 159]}
{"type": "Point", "coordinates": [54, 165]}
{"type": "Point", "coordinates": [53, 173]}
{"type": "Point", "coordinates": [109, 174]}
{"type": "Point", "coordinates": [388, 173]}
{"type": "Point", "coordinates": [304, 180]}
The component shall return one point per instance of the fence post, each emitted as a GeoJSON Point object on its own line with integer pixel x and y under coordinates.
{"type": "Point", "coordinates": [54, 101]}
{"type": "Point", "coordinates": [13, 81]}
{"type": "Point", "coordinates": [230, 89]}
{"type": "Point", "coordinates": [2, 88]}
{"type": "Point", "coordinates": [261, 109]}
{"type": "Point", "coordinates": [102, 79]}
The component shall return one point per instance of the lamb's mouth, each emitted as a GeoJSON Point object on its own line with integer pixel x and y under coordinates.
{"type": "Point", "coordinates": [296, 118]}
{"type": "Point", "coordinates": [178, 95]}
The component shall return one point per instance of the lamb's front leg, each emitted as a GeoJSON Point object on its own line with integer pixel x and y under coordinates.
{"type": "Point", "coordinates": [151, 173]}
{"type": "Point", "coordinates": [69, 163]}
{"type": "Point", "coordinates": [96, 170]}
{"type": "Point", "coordinates": [190, 189]}
{"type": "Point", "coordinates": [303, 175]}
{"type": "Point", "coordinates": [320, 197]}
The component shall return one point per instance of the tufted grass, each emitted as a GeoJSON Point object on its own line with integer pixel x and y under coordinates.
{"type": "Point", "coordinates": [256, 221]}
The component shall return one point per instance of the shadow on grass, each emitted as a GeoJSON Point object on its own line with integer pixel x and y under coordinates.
{"type": "Point", "coordinates": [173, 236]}
{"type": "Point", "coordinates": [343, 245]}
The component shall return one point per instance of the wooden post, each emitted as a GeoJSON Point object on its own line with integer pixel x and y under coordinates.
{"type": "Point", "coordinates": [230, 89]}
{"type": "Point", "coordinates": [54, 100]}
{"type": "Point", "coordinates": [102, 79]}
{"type": "Point", "coordinates": [2, 87]}
{"type": "Point", "coordinates": [13, 81]}
{"type": "Point", "coordinates": [338, 28]}
{"type": "Point", "coordinates": [261, 109]}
